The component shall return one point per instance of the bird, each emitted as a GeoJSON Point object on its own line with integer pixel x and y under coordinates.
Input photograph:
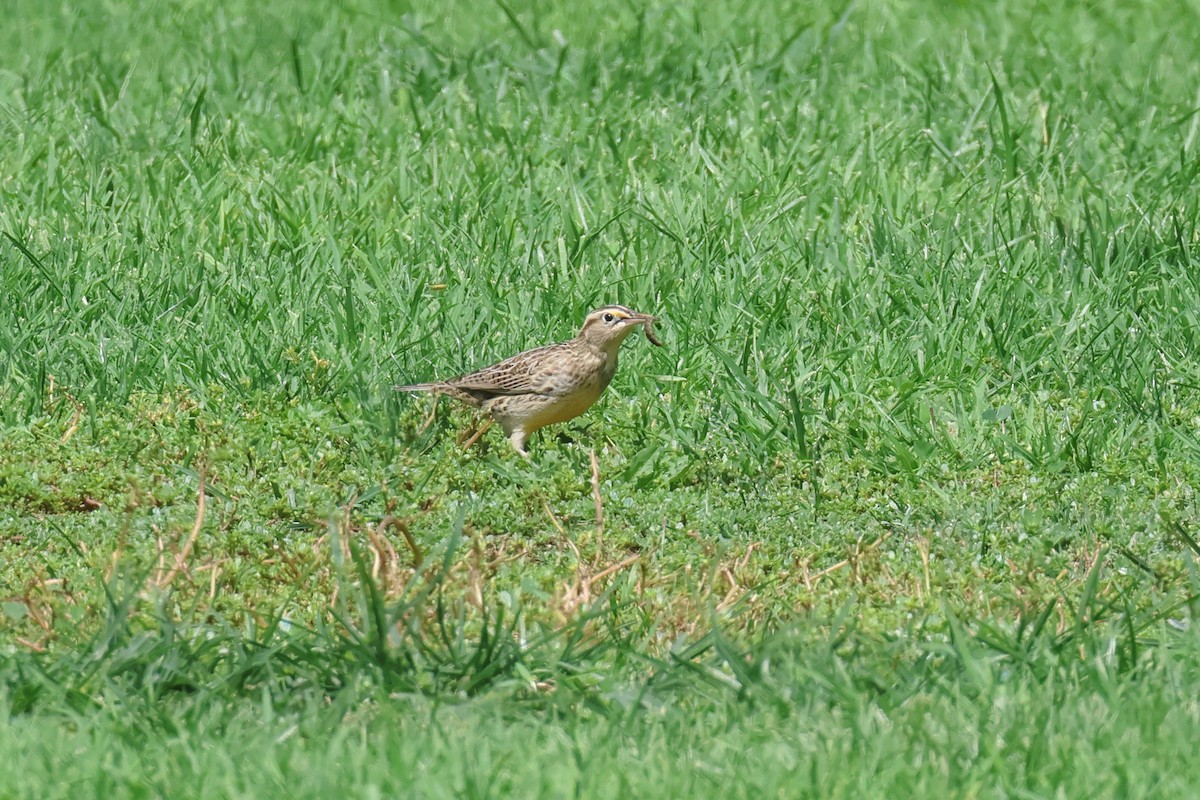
{"type": "Point", "coordinates": [550, 384]}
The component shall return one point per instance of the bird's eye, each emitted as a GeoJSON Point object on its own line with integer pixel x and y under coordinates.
{"type": "Point", "coordinates": [609, 317]}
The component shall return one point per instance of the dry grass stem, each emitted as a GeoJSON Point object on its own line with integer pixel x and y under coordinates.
{"type": "Point", "coordinates": [181, 558]}
{"type": "Point", "coordinates": [599, 504]}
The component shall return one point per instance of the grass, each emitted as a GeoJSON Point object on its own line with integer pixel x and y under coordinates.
{"type": "Point", "coordinates": [906, 506]}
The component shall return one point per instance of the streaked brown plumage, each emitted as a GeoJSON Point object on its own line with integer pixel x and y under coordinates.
{"type": "Point", "coordinates": [548, 384]}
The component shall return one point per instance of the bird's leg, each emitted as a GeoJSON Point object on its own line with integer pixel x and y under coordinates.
{"type": "Point", "coordinates": [475, 437]}
{"type": "Point", "coordinates": [517, 438]}
{"type": "Point", "coordinates": [432, 416]}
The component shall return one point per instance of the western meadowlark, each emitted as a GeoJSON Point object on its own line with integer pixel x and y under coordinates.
{"type": "Point", "coordinates": [548, 384]}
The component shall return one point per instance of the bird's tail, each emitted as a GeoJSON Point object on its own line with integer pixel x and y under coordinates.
{"type": "Point", "coordinates": [418, 387]}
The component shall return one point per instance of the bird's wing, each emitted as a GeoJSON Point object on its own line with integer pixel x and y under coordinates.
{"type": "Point", "coordinates": [535, 371]}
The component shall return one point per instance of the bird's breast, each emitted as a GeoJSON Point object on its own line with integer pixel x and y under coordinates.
{"type": "Point", "coordinates": [567, 407]}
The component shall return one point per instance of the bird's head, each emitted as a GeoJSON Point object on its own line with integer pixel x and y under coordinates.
{"type": "Point", "coordinates": [607, 327]}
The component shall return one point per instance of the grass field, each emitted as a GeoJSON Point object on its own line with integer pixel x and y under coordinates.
{"type": "Point", "coordinates": [906, 506]}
